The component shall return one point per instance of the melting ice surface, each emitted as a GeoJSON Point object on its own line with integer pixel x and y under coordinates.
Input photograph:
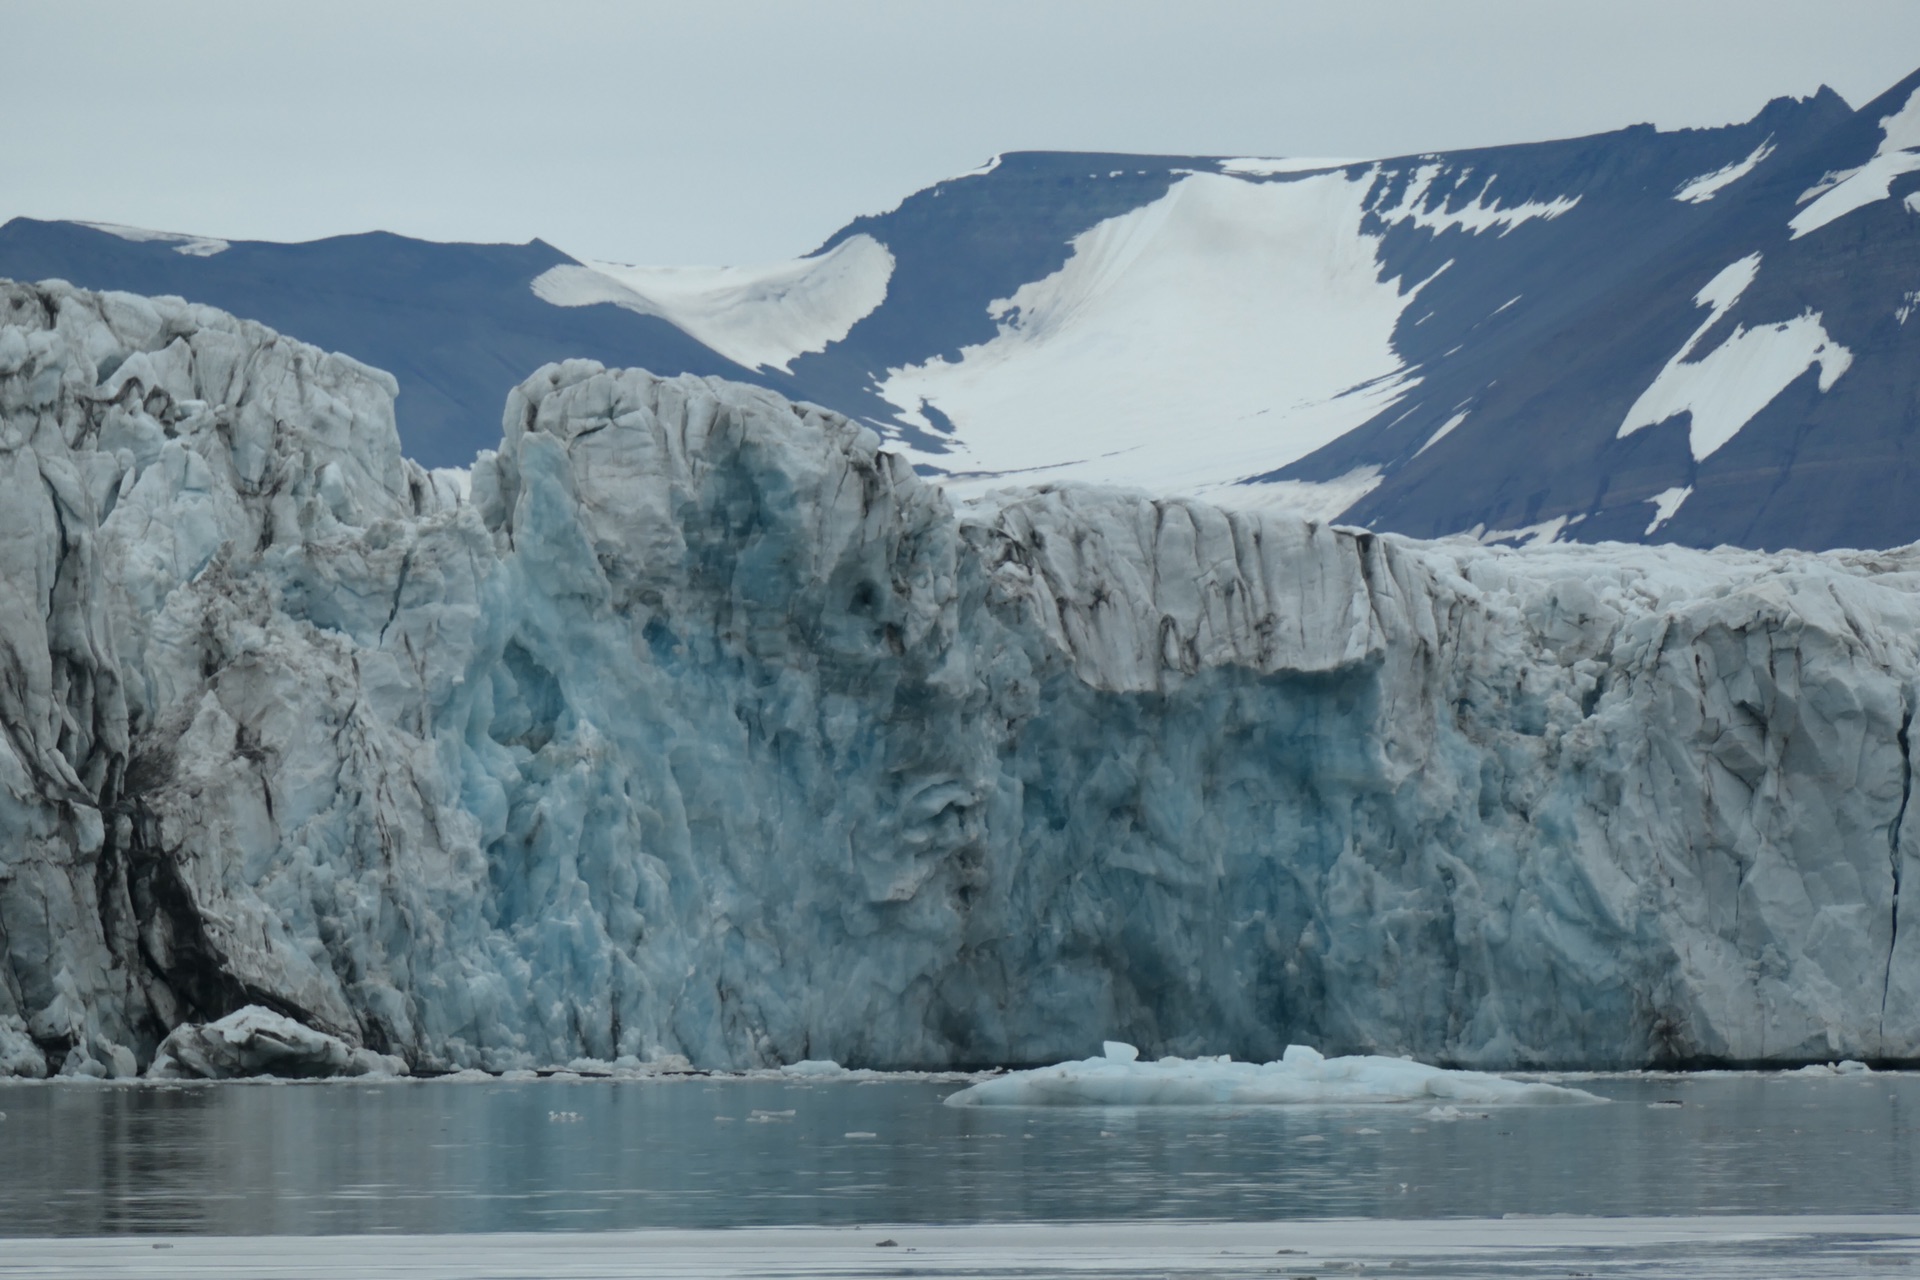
{"type": "Point", "coordinates": [1302, 1075]}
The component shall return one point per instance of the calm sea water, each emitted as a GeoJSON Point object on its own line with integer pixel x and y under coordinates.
{"type": "Point", "coordinates": [426, 1157]}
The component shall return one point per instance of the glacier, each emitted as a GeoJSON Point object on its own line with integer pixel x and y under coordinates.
{"type": "Point", "coordinates": [691, 721]}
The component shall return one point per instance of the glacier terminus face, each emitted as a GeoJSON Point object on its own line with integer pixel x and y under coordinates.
{"type": "Point", "coordinates": [691, 721]}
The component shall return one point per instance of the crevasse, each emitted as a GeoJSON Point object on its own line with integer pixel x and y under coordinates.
{"type": "Point", "coordinates": [696, 723]}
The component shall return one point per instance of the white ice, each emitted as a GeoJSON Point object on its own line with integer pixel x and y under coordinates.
{"type": "Point", "coordinates": [1843, 193]}
{"type": "Point", "coordinates": [1266, 167]}
{"type": "Point", "coordinates": [1540, 534]}
{"type": "Point", "coordinates": [1703, 188]}
{"type": "Point", "coordinates": [759, 317]}
{"type": "Point", "coordinates": [1156, 356]}
{"type": "Point", "coordinates": [1723, 390]}
{"type": "Point", "coordinates": [1483, 213]}
{"type": "Point", "coordinates": [1322, 500]}
{"type": "Point", "coordinates": [1666, 505]}
{"type": "Point", "coordinates": [1302, 1075]}
{"type": "Point", "coordinates": [1446, 429]}
{"type": "Point", "coordinates": [253, 1041]}
{"type": "Point", "coordinates": [191, 245]}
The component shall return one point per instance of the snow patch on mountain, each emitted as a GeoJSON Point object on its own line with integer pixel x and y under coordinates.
{"type": "Point", "coordinates": [191, 245]}
{"type": "Point", "coordinates": [1267, 167]}
{"type": "Point", "coordinates": [1666, 505]}
{"type": "Point", "coordinates": [1843, 193]}
{"type": "Point", "coordinates": [1446, 429]}
{"type": "Point", "coordinates": [1723, 390]}
{"type": "Point", "coordinates": [1156, 357]}
{"type": "Point", "coordinates": [759, 317]}
{"type": "Point", "coordinates": [1543, 533]}
{"type": "Point", "coordinates": [1322, 500]}
{"type": "Point", "coordinates": [1417, 206]}
{"type": "Point", "coordinates": [1705, 187]}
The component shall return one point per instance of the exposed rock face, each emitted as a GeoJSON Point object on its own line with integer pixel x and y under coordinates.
{"type": "Point", "coordinates": [692, 722]}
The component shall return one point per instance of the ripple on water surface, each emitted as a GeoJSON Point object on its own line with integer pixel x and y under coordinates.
{"type": "Point", "coordinates": [426, 1157]}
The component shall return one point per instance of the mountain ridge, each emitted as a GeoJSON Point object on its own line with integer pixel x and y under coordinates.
{"type": "Point", "coordinates": [1438, 344]}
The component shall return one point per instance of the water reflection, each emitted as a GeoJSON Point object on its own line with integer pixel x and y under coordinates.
{"type": "Point", "coordinates": [420, 1157]}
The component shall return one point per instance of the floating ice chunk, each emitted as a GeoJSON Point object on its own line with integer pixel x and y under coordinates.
{"type": "Point", "coordinates": [258, 1042]}
{"type": "Point", "coordinates": [1116, 1051]}
{"type": "Point", "coordinates": [762, 1116]}
{"type": "Point", "coordinates": [1849, 1067]}
{"type": "Point", "coordinates": [814, 1069]}
{"type": "Point", "coordinates": [1301, 1076]}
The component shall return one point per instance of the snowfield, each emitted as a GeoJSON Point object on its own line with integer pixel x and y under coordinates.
{"type": "Point", "coordinates": [758, 317]}
{"type": "Point", "coordinates": [1156, 357]}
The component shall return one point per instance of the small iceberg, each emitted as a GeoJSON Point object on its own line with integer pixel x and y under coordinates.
{"type": "Point", "coordinates": [1302, 1075]}
{"type": "Point", "coordinates": [254, 1041]}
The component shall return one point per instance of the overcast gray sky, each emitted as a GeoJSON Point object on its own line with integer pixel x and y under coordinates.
{"type": "Point", "coordinates": [734, 131]}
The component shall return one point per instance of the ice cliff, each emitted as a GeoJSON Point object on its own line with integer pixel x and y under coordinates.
{"type": "Point", "coordinates": [692, 722]}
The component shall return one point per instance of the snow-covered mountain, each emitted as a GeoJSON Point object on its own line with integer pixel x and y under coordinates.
{"type": "Point", "coordinates": [1697, 336]}
{"type": "Point", "coordinates": [691, 721]}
